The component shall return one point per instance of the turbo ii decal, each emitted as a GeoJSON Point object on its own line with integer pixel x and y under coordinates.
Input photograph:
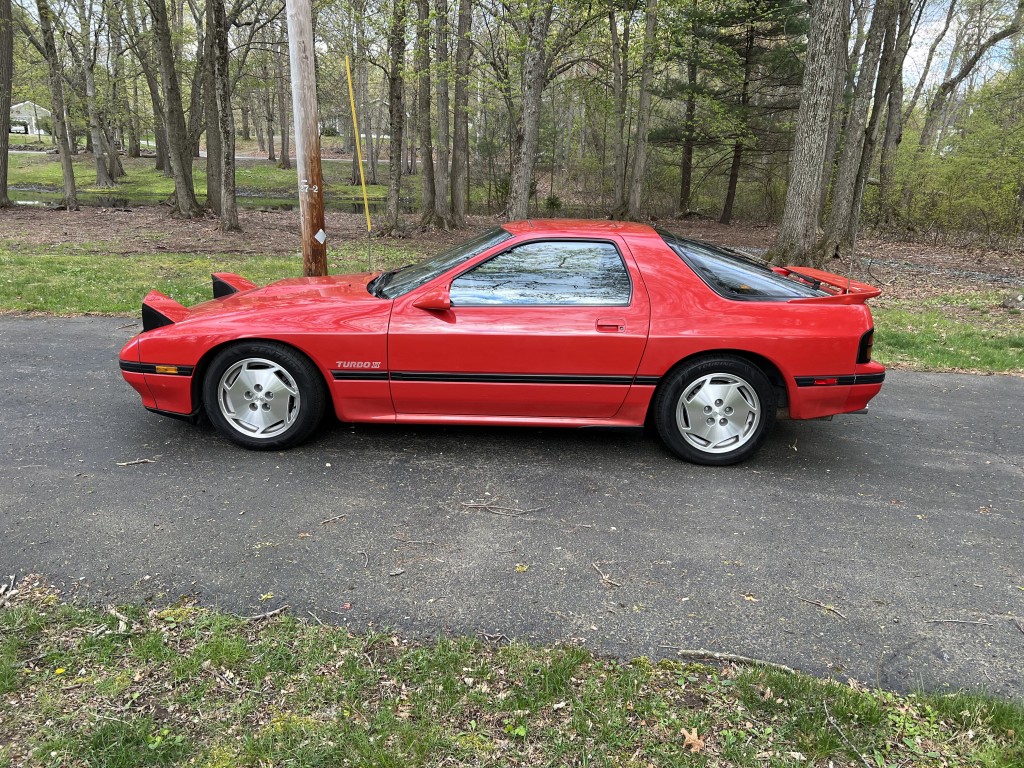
{"type": "Point", "coordinates": [358, 364]}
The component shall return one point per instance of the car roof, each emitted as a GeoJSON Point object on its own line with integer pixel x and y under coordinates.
{"type": "Point", "coordinates": [577, 227]}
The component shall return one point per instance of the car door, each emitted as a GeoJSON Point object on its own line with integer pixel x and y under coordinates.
{"type": "Point", "coordinates": [545, 328]}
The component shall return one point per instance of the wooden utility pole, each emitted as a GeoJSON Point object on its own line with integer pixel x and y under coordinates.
{"type": "Point", "coordinates": [307, 138]}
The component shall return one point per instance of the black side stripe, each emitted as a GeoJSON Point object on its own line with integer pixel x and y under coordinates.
{"type": "Point", "coordinates": [130, 367]}
{"type": "Point", "coordinates": [360, 375]}
{"type": "Point", "coordinates": [841, 381]}
{"type": "Point", "coordinates": [493, 378]}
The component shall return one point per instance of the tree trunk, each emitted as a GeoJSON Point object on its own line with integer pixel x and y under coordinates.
{"type": "Point", "coordinates": [359, 84]}
{"type": "Point", "coordinates": [246, 131]}
{"type": "Point", "coordinates": [689, 129]}
{"type": "Point", "coordinates": [620, 92]}
{"type": "Point", "coordinates": [60, 128]}
{"type": "Point", "coordinates": [460, 137]}
{"type": "Point", "coordinates": [825, 52]}
{"type": "Point", "coordinates": [423, 99]}
{"type": "Point", "coordinates": [6, 81]}
{"type": "Point", "coordinates": [134, 125]}
{"type": "Point", "coordinates": [396, 97]}
{"type": "Point", "coordinates": [268, 112]}
{"type": "Point", "coordinates": [636, 186]}
{"type": "Point", "coordinates": [442, 171]}
{"type": "Point", "coordinates": [737, 150]}
{"type": "Point", "coordinates": [225, 128]}
{"type": "Point", "coordinates": [213, 148]}
{"type": "Point", "coordinates": [840, 218]}
{"type": "Point", "coordinates": [257, 122]}
{"type": "Point", "coordinates": [87, 61]}
{"type": "Point", "coordinates": [893, 134]}
{"type": "Point", "coordinates": [282, 99]}
{"type": "Point", "coordinates": [534, 80]}
{"type": "Point", "coordinates": [178, 143]}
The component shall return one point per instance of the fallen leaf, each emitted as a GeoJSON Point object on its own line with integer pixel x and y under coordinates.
{"type": "Point", "coordinates": [692, 741]}
{"type": "Point", "coordinates": [522, 567]}
{"type": "Point", "coordinates": [750, 597]}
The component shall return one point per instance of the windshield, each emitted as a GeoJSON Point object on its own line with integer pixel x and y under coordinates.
{"type": "Point", "coordinates": [393, 284]}
{"type": "Point", "coordinates": [737, 276]}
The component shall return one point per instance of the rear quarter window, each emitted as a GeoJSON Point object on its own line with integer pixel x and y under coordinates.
{"type": "Point", "coordinates": [735, 276]}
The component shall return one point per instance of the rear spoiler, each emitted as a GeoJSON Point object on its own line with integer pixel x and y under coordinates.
{"type": "Point", "coordinates": [159, 310]}
{"type": "Point", "coordinates": [843, 289]}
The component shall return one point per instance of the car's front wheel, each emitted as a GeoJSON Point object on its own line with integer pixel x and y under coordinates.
{"type": "Point", "coordinates": [715, 410]}
{"type": "Point", "coordinates": [263, 395]}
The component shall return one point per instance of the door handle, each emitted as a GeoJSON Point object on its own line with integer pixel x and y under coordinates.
{"type": "Point", "coordinates": [611, 325]}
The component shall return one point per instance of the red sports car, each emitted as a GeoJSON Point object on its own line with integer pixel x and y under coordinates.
{"type": "Point", "coordinates": [535, 323]}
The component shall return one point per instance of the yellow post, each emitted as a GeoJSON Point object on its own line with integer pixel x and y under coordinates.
{"type": "Point", "coordinates": [359, 144]}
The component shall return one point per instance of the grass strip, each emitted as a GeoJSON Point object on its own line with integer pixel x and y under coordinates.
{"type": "Point", "coordinates": [183, 685]}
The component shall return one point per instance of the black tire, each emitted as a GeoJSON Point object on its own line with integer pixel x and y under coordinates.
{"type": "Point", "coordinates": [263, 395]}
{"type": "Point", "coordinates": [715, 410]}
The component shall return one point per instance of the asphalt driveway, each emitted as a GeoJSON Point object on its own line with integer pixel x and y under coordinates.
{"type": "Point", "coordinates": [907, 524]}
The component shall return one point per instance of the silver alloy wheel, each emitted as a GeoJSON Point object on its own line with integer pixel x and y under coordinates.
{"type": "Point", "coordinates": [258, 398]}
{"type": "Point", "coordinates": [718, 413]}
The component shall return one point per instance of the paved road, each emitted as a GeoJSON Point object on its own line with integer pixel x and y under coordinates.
{"type": "Point", "coordinates": [912, 514]}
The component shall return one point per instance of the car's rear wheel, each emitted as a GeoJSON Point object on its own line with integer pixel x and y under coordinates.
{"type": "Point", "coordinates": [715, 410]}
{"type": "Point", "coordinates": [263, 395]}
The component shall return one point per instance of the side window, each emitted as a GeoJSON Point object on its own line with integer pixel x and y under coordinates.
{"type": "Point", "coordinates": [547, 273]}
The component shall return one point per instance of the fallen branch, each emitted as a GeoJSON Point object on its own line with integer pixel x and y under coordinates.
{"type": "Point", "coordinates": [820, 604]}
{"type": "Point", "coordinates": [410, 541]}
{"type": "Point", "coordinates": [267, 615]}
{"type": "Point", "coordinates": [982, 622]}
{"type": "Point", "coordinates": [137, 461]}
{"type": "Point", "coordinates": [699, 654]}
{"type": "Point", "coordinates": [333, 519]}
{"type": "Point", "coordinates": [1017, 624]}
{"type": "Point", "coordinates": [834, 724]}
{"type": "Point", "coordinates": [604, 577]}
{"type": "Point", "coordinates": [494, 509]}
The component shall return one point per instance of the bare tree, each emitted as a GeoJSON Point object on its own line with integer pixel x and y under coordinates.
{"type": "Point", "coordinates": [6, 80]}
{"type": "Point", "coordinates": [60, 128]}
{"type": "Point", "coordinates": [442, 171]}
{"type": "Point", "coordinates": [396, 97]}
{"type": "Point", "coordinates": [423, 101]}
{"type": "Point", "coordinates": [225, 128]}
{"type": "Point", "coordinates": [840, 215]}
{"type": "Point", "coordinates": [178, 143]}
{"type": "Point", "coordinates": [537, 24]}
{"type": "Point", "coordinates": [460, 127]}
{"type": "Point", "coordinates": [636, 185]}
{"type": "Point", "coordinates": [826, 50]}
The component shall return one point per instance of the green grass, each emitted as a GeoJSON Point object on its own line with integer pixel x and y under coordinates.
{"type": "Point", "coordinates": [70, 280]}
{"type": "Point", "coordinates": [954, 332]}
{"type": "Point", "coordinates": [254, 177]}
{"type": "Point", "coordinates": [188, 686]}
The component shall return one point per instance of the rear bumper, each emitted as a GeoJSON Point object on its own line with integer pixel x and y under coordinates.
{"type": "Point", "coordinates": [816, 396]}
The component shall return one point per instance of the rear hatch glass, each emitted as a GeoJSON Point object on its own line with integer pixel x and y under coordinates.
{"type": "Point", "coordinates": [737, 276]}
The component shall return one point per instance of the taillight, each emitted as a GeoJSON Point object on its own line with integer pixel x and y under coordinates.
{"type": "Point", "coordinates": [867, 343]}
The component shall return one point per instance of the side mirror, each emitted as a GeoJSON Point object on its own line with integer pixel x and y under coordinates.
{"type": "Point", "coordinates": [436, 301]}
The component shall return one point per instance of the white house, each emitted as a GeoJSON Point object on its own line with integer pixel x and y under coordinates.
{"type": "Point", "coordinates": [30, 113]}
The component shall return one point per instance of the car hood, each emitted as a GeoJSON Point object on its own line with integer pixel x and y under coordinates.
{"type": "Point", "coordinates": [294, 291]}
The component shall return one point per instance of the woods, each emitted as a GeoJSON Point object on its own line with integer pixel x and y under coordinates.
{"type": "Point", "coordinates": [899, 116]}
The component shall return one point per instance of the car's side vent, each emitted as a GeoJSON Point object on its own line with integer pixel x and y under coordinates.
{"type": "Point", "coordinates": [867, 343]}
